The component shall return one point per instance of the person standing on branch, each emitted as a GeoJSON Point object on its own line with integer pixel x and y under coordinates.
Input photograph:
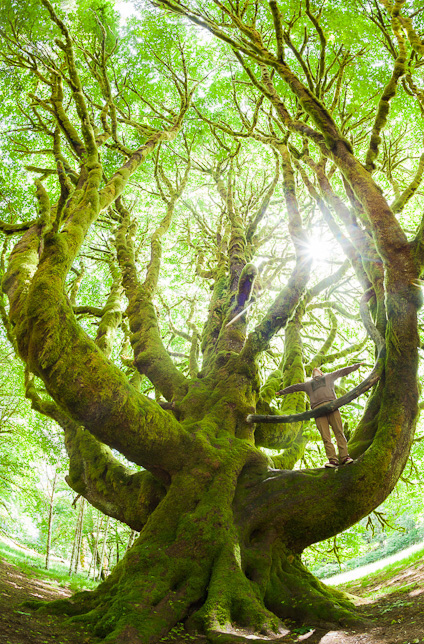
{"type": "Point", "coordinates": [320, 390]}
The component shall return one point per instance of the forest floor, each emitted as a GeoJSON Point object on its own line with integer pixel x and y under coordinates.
{"type": "Point", "coordinates": [392, 600]}
{"type": "Point", "coordinates": [20, 625]}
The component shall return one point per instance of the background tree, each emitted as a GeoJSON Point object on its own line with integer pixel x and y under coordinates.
{"type": "Point", "coordinates": [290, 133]}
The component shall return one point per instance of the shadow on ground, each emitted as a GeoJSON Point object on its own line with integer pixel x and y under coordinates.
{"type": "Point", "coordinates": [393, 606]}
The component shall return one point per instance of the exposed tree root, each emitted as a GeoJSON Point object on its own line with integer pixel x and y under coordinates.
{"type": "Point", "coordinates": [220, 600]}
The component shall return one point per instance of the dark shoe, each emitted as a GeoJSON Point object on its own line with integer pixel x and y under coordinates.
{"type": "Point", "coordinates": [332, 462]}
{"type": "Point", "coordinates": [347, 460]}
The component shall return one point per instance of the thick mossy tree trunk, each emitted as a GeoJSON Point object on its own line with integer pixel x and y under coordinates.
{"type": "Point", "coordinates": [222, 524]}
{"type": "Point", "coordinates": [221, 549]}
{"type": "Point", "coordinates": [221, 532]}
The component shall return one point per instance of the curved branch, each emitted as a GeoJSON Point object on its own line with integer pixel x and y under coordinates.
{"type": "Point", "coordinates": [111, 315]}
{"type": "Point", "coordinates": [352, 348]}
{"type": "Point", "coordinates": [388, 93]}
{"type": "Point", "coordinates": [390, 238]}
{"type": "Point", "coordinates": [93, 471]}
{"type": "Point", "coordinates": [253, 225]}
{"type": "Point", "coordinates": [86, 309]}
{"type": "Point", "coordinates": [110, 487]}
{"type": "Point", "coordinates": [251, 49]}
{"type": "Point", "coordinates": [323, 43]}
{"type": "Point", "coordinates": [151, 357]}
{"type": "Point", "coordinates": [22, 265]}
{"type": "Point", "coordinates": [299, 127]}
{"type": "Point", "coordinates": [83, 114]}
{"type": "Point", "coordinates": [330, 280]}
{"type": "Point", "coordinates": [14, 229]}
{"type": "Point", "coordinates": [401, 201]}
{"type": "Point", "coordinates": [336, 306]}
{"type": "Point", "coordinates": [369, 325]}
{"type": "Point", "coordinates": [96, 474]}
{"type": "Point", "coordinates": [279, 36]}
{"type": "Point", "coordinates": [352, 492]}
{"type": "Point", "coordinates": [291, 372]}
{"type": "Point", "coordinates": [283, 307]}
{"type": "Point", "coordinates": [116, 184]}
{"type": "Point", "coordinates": [52, 344]}
{"type": "Point", "coordinates": [414, 39]}
{"type": "Point", "coordinates": [325, 348]}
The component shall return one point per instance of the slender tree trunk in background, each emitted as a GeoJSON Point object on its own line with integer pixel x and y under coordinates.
{"type": "Point", "coordinates": [101, 574]}
{"type": "Point", "coordinates": [131, 539]}
{"type": "Point", "coordinates": [93, 563]}
{"type": "Point", "coordinates": [75, 543]}
{"type": "Point", "coordinates": [117, 542]}
{"type": "Point", "coordinates": [79, 534]}
{"type": "Point", "coordinates": [50, 521]}
{"type": "Point", "coordinates": [83, 551]}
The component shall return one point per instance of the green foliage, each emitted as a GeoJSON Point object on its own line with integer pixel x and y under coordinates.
{"type": "Point", "coordinates": [217, 192]}
{"type": "Point", "coordinates": [389, 571]}
{"type": "Point", "coordinates": [90, 14]}
{"type": "Point", "coordinates": [398, 525]}
{"type": "Point", "coordinates": [32, 564]}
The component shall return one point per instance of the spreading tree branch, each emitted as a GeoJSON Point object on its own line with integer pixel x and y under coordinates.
{"type": "Point", "coordinates": [283, 307]}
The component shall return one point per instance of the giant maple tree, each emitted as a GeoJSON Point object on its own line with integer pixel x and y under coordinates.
{"type": "Point", "coordinates": [297, 115]}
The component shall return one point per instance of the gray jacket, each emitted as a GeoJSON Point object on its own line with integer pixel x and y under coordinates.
{"type": "Point", "coordinates": [320, 390]}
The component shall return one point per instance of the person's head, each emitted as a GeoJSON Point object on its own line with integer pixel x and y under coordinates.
{"type": "Point", "coordinates": [317, 373]}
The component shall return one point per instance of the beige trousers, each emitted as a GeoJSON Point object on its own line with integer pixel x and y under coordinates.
{"type": "Point", "coordinates": [335, 420]}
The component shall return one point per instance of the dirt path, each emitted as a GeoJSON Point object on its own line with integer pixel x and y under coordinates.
{"type": "Point", "coordinates": [393, 604]}
{"type": "Point", "coordinates": [20, 625]}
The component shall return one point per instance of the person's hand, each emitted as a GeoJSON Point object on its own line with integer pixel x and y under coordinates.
{"type": "Point", "coordinates": [278, 393]}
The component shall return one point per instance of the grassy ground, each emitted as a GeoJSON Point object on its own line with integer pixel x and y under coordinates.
{"type": "Point", "coordinates": [23, 578]}
{"type": "Point", "coordinates": [33, 564]}
{"type": "Point", "coordinates": [387, 573]}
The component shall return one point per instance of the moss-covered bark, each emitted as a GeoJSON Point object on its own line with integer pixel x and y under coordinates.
{"type": "Point", "coordinates": [222, 547]}
{"type": "Point", "coordinates": [222, 536]}
{"type": "Point", "coordinates": [223, 525]}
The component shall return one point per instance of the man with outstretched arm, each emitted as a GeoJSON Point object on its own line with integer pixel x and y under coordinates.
{"type": "Point", "coordinates": [320, 390]}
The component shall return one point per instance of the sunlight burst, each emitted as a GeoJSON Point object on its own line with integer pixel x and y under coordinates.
{"type": "Point", "coordinates": [322, 248]}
